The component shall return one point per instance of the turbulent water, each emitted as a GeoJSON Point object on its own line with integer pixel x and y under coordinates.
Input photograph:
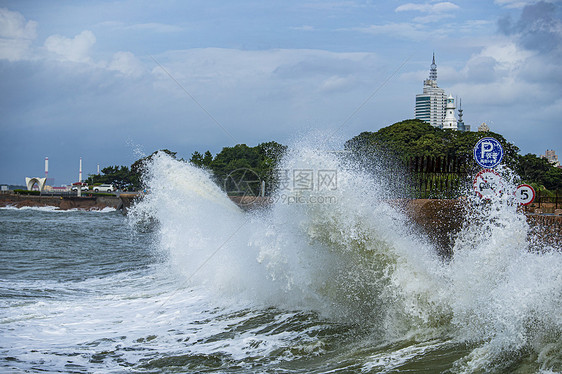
{"type": "Point", "coordinates": [329, 278]}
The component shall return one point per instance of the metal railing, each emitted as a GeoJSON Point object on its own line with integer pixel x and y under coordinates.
{"type": "Point", "coordinates": [438, 177]}
{"type": "Point", "coordinates": [544, 199]}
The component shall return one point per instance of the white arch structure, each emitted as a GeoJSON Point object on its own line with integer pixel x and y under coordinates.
{"type": "Point", "coordinates": [29, 182]}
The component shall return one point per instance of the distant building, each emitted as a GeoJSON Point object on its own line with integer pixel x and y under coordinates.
{"type": "Point", "coordinates": [483, 127]}
{"type": "Point", "coordinates": [450, 122]}
{"type": "Point", "coordinates": [430, 105]}
{"type": "Point", "coordinates": [551, 156]}
{"type": "Point", "coordinates": [35, 183]}
{"type": "Point", "coordinates": [460, 123]}
{"type": "Point", "coordinates": [433, 107]}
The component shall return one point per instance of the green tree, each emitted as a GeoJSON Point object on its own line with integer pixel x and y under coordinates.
{"type": "Point", "coordinates": [196, 158]}
{"type": "Point", "coordinates": [207, 158]}
{"type": "Point", "coordinates": [414, 137]}
{"type": "Point", "coordinates": [393, 146]}
{"type": "Point", "coordinates": [539, 171]}
{"type": "Point", "coordinates": [234, 161]}
{"type": "Point", "coordinates": [119, 176]}
{"type": "Point", "coordinates": [123, 177]}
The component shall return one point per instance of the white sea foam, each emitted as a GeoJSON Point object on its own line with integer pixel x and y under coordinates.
{"type": "Point", "coordinates": [58, 210]}
{"type": "Point", "coordinates": [37, 208]}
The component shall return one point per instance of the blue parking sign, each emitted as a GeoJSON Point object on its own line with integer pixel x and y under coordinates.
{"type": "Point", "coordinates": [488, 153]}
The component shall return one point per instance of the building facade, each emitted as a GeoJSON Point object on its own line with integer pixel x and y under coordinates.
{"type": "Point", "coordinates": [460, 123]}
{"type": "Point", "coordinates": [450, 122]}
{"type": "Point", "coordinates": [552, 157]}
{"type": "Point", "coordinates": [435, 108]}
{"type": "Point", "coordinates": [430, 105]}
{"type": "Point", "coordinates": [483, 127]}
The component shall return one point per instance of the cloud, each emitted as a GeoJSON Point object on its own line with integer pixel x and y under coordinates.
{"type": "Point", "coordinates": [428, 8]}
{"type": "Point", "coordinates": [16, 35]}
{"type": "Point", "coordinates": [336, 83]}
{"type": "Point", "coordinates": [514, 3]}
{"type": "Point", "coordinates": [538, 28]}
{"type": "Point", "coordinates": [127, 64]}
{"type": "Point", "coordinates": [76, 49]}
{"type": "Point", "coordinates": [435, 12]}
{"type": "Point", "coordinates": [272, 84]}
{"type": "Point", "coordinates": [503, 75]}
{"type": "Point", "coordinates": [520, 67]}
{"type": "Point", "coordinates": [331, 5]}
{"type": "Point", "coordinates": [507, 55]}
{"type": "Point", "coordinates": [155, 27]}
{"type": "Point", "coordinates": [303, 28]}
{"type": "Point", "coordinates": [396, 30]}
{"type": "Point", "coordinates": [481, 69]}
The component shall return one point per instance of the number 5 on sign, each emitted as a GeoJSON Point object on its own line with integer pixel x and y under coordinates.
{"type": "Point", "coordinates": [524, 194]}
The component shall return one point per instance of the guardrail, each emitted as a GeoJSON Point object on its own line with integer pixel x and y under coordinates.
{"type": "Point", "coordinates": [438, 177]}
{"type": "Point", "coordinates": [548, 200]}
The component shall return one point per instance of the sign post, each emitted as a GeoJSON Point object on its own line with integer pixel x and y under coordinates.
{"type": "Point", "coordinates": [488, 183]}
{"type": "Point", "coordinates": [524, 194]}
{"type": "Point", "coordinates": [488, 153]}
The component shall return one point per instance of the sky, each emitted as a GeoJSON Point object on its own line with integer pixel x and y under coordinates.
{"type": "Point", "coordinates": [113, 81]}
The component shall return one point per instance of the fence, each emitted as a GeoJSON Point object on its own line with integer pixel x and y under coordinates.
{"type": "Point", "coordinates": [438, 177]}
{"type": "Point", "coordinates": [543, 199]}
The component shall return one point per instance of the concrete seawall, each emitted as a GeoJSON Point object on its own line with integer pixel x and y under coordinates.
{"type": "Point", "coordinates": [63, 203]}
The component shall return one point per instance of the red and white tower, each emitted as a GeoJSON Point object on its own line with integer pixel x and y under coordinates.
{"type": "Point", "coordinates": [46, 167]}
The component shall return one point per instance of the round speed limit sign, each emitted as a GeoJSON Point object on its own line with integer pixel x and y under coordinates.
{"type": "Point", "coordinates": [524, 194]}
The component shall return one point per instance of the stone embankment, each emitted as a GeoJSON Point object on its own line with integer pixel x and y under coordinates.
{"type": "Point", "coordinates": [61, 202]}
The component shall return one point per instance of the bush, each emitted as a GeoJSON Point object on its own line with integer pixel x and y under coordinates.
{"type": "Point", "coordinates": [88, 193]}
{"type": "Point", "coordinates": [26, 192]}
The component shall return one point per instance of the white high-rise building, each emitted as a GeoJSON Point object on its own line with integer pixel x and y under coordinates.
{"type": "Point", "coordinates": [430, 105]}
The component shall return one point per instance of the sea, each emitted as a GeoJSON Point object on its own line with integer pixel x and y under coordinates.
{"type": "Point", "coordinates": [330, 277]}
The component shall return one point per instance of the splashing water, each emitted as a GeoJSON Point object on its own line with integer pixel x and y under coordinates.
{"type": "Point", "coordinates": [344, 252]}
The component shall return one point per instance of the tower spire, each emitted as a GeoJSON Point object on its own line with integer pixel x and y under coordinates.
{"type": "Point", "coordinates": [460, 123]}
{"type": "Point", "coordinates": [433, 69]}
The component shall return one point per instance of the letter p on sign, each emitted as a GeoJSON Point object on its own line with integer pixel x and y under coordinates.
{"type": "Point", "coordinates": [487, 147]}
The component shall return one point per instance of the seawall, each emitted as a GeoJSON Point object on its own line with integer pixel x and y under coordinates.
{"type": "Point", "coordinates": [61, 202]}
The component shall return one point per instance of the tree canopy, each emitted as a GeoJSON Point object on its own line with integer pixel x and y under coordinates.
{"type": "Point", "coordinates": [261, 160]}
{"type": "Point", "coordinates": [410, 138]}
{"type": "Point", "coordinates": [539, 171]}
{"type": "Point", "coordinates": [122, 177]}
{"type": "Point", "coordinates": [401, 141]}
{"type": "Point", "coordinates": [414, 137]}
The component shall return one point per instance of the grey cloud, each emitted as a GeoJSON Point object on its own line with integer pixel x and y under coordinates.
{"type": "Point", "coordinates": [539, 27]}
{"type": "Point", "coordinates": [482, 69]}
